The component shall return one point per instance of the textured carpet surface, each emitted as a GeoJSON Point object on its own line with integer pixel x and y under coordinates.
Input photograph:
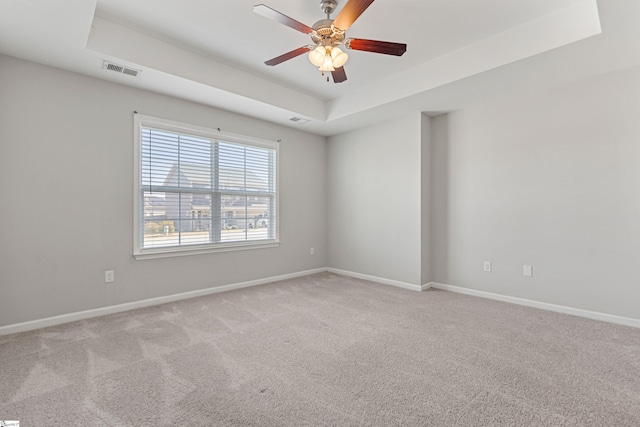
{"type": "Point", "coordinates": [324, 350]}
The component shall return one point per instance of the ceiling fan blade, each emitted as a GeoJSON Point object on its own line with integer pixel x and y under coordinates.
{"type": "Point", "coordinates": [377, 46]}
{"type": "Point", "coordinates": [273, 14]}
{"type": "Point", "coordinates": [289, 55]}
{"type": "Point", "coordinates": [339, 75]}
{"type": "Point", "coordinates": [350, 12]}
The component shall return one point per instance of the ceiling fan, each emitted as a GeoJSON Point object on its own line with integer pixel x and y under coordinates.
{"type": "Point", "coordinates": [327, 34]}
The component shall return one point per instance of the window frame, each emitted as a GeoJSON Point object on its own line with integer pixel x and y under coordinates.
{"type": "Point", "coordinates": [139, 253]}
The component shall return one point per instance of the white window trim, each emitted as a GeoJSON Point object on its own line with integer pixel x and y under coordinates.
{"type": "Point", "coordinates": [139, 121]}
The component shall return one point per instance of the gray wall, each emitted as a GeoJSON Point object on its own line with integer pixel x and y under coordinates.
{"type": "Point", "coordinates": [66, 165]}
{"type": "Point", "coordinates": [374, 200]}
{"type": "Point", "coordinates": [425, 195]}
{"type": "Point", "coordinates": [550, 180]}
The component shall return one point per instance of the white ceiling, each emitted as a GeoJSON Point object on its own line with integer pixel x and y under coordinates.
{"type": "Point", "coordinates": [213, 52]}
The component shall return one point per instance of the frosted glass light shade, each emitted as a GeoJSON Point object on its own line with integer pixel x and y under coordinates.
{"type": "Point", "coordinates": [327, 64]}
{"type": "Point", "coordinates": [339, 57]}
{"type": "Point", "coordinates": [317, 55]}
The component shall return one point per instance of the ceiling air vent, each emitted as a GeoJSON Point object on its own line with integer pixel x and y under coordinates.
{"type": "Point", "coordinates": [120, 69]}
{"type": "Point", "coordinates": [299, 120]}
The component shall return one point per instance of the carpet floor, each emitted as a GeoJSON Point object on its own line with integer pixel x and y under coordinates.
{"type": "Point", "coordinates": [325, 350]}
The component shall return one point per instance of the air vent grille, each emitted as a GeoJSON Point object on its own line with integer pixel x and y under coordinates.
{"type": "Point", "coordinates": [120, 69]}
{"type": "Point", "coordinates": [114, 67]}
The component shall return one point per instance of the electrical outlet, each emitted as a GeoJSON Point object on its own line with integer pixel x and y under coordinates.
{"type": "Point", "coordinates": [527, 271]}
{"type": "Point", "coordinates": [109, 276]}
{"type": "Point", "coordinates": [487, 266]}
{"type": "Point", "coordinates": [312, 251]}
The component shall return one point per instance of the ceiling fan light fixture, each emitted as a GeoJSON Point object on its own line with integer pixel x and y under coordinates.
{"type": "Point", "coordinates": [328, 58]}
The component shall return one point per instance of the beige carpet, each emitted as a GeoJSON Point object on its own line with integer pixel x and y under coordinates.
{"type": "Point", "coordinates": [324, 350]}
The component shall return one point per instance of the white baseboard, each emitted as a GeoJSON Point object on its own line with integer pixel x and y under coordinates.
{"type": "Point", "coordinates": [103, 311]}
{"type": "Point", "coordinates": [626, 321]}
{"type": "Point", "coordinates": [382, 280]}
{"type": "Point", "coordinates": [87, 314]}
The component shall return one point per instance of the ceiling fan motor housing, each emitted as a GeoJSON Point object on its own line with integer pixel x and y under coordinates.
{"type": "Point", "coordinates": [325, 34]}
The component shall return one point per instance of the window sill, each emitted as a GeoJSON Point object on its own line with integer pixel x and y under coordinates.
{"type": "Point", "coordinates": [199, 250]}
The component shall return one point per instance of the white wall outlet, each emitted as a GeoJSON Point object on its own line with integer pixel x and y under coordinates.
{"type": "Point", "coordinates": [487, 266]}
{"type": "Point", "coordinates": [527, 271]}
{"type": "Point", "coordinates": [109, 276]}
{"type": "Point", "coordinates": [312, 251]}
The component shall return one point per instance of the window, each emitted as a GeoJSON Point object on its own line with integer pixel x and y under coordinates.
{"type": "Point", "coordinates": [200, 190]}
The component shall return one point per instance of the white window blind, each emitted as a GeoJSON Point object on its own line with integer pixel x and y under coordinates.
{"type": "Point", "coordinates": [201, 189]}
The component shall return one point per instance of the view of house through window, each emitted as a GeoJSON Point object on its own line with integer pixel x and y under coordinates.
{"type": "Point", "coordinates": [199, 190]}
